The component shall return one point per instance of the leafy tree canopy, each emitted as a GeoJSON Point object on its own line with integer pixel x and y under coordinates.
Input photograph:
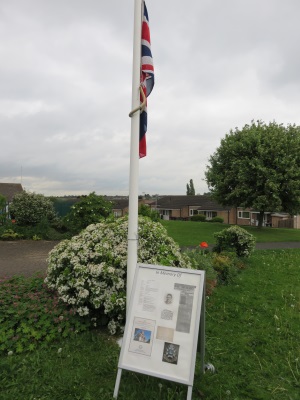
{"type": "Point", "coordinates": [89, 210]}
{"type": "Point", "coordinates": [258, 167]}
{"type": "Point", "coordinates": [146, 211]}
{"type": "Point", "coordinates": [190, 190]}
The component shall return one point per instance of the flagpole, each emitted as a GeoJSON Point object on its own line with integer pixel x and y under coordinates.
{"type": "Point", "coordinates": [132, 247]}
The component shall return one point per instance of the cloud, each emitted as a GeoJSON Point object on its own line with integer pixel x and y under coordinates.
{"type": "Point", "coordinates": [65, 77]}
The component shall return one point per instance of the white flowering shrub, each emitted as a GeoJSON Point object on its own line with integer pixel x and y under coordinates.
{"type": "Point", "coordinates": [89, 271]}
{"type": "Point", "coordinates": [29, 209]}
{"type": "Point", "coordinates": [235, 238]}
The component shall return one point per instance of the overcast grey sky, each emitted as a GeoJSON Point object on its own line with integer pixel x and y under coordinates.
{"type": "Point", "coordinates": [65, 88]}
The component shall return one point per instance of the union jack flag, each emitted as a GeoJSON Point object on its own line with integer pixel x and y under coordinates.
{"type": "Point", "coordinates": [147, 78]}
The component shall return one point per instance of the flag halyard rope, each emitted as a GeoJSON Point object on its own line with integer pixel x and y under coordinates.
{"type": "Point", "coordinates": [142, 106]}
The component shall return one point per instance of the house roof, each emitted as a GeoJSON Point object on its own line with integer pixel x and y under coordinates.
{"type": "Point", "coordinates": [119, 204]}
{"type": "Point", "coordinates": [199, 202]}
{"type": "Point", "coordinates": [122, 204]}
{"type": "Point", "coordinates": [8, 190]}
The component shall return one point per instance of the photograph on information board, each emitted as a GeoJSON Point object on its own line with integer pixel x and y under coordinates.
{"type": "Point", "coordinates": [142, 336]}
{"type": "Point", "coordinates": [171, 352]}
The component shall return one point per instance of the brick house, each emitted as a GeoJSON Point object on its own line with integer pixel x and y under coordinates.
{"type": "Point", "coordinates": [184, 207]}
{"type": "Point", "coordinates": [249, 217]}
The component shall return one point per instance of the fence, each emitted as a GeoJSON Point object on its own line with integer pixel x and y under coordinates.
{"type": "Point", "coordinates": [286, 223]}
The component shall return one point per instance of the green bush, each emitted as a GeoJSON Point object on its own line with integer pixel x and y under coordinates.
{"type": "Point", "coordinates": [29, 209]}
{"type": "Point", "coordinates": [235, 239]}
{"type": "Point", "coordinates": [89, 270]}
{"type": "Point", "coordinates": [202, 262]}
{"type": "Point", "coordinates": [9, 234]}
{"type": "Point", "coordinates": [217, 219]}
{"type": "Point", "coordinates": [225, 265]}
{"type": "Point", "coordinates": [146, 211]}
{"type": "Point", "coordinates": [3, 214]}
{"type": "Point", "coordinates": [89, 210]}
{"type": "Point", "coordinates": [198, 218]}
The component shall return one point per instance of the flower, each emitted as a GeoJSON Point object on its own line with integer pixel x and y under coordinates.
{"type": "Point", "coordinates": [10, 353]}
{"type": "Point", "coordinates": [203, 245]}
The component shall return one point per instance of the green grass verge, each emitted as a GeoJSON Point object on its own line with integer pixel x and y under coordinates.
{"type": "Point", "coordinates": [253, 335]}
{"type": "Point", "coordinates": [188, 233]}
{"type": "Point", "coordinates": [252, 339]}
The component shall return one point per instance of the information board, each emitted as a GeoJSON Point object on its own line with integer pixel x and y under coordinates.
{"type": "Point", "coordinates": [162, 327]}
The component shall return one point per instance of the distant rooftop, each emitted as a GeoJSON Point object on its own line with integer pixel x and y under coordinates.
{"type": "Point", "coordinates": [8, 190]}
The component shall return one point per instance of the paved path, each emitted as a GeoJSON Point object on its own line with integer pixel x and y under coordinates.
{"type": "Point", "coordinates": [27, 257]}
{"type": "Point", "coordinates": [24, 257]}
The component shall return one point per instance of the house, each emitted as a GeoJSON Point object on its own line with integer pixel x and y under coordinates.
{"type": "Point", "coordinates": [8, 190]}
{"type": "Point", "coordinates": [120, 204]}
{"type": "Point", "coordinates": [249, 217]}
{"type": "Point", "coordinates": [184, 207]}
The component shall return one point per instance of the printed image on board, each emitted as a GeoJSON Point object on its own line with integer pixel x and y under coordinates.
{"type": "Point", "coordinates": [169, 298]}
{"type": "Point", "coordinates": [167, 315]}
{"type": "Point", "coordinates": [148, 295]}
{"type": "Point", "coordinates": [185, 308]}
{"type": "Point", "coordinates": [165, 334]}
{"type": "Point", "coordinates": [170, 354]}
{"type": "Point", "coordinates": [142, 336]}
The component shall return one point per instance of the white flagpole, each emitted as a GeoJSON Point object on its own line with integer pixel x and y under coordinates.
{"type": "Point", "coordinates": [134, 152]}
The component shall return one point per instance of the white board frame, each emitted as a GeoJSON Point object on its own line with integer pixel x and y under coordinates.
{"type": "Point", "coordinates": [152, 354]}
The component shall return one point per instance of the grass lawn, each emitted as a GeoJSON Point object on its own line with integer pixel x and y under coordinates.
{"type": "Point", "coordinates": [252, 339]}
{"type": "Point", "coordinates": [188, 233]}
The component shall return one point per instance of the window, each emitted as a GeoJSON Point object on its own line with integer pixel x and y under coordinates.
{"type": "Point", "coordinates": [165, 212]}
{"type": "Point", "coordinates": [244, 214]}
{"type": "Point", "coordinates": [193, 212]}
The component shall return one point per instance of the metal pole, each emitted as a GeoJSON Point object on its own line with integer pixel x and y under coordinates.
{"type": "Point", "coordinates": [134, 152]}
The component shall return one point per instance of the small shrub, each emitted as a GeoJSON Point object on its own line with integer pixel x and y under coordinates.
{"type": "Point", "coordinates": [235, 239]}
{"type": "Point", "coordinates": [36, 237]}
{"type": "Point", "coordinates": [146, 211]}
{"type": "Point", "coordinates": [217, 219]}
{"type": "Point", "coordinates": [225, 265]}
{"type": "Point", "coordinates": [9, 234]}
{"type": "Point", "coordinates": [198, 218]}
{"type": "Point", "coordinates": [89, 271]}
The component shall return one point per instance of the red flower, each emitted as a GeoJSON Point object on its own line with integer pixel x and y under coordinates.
{"type": "Point", "coordinates": [203, 245]}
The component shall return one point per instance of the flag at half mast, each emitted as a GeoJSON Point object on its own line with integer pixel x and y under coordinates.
{"type": "Point", "coordinates": [147, 79]}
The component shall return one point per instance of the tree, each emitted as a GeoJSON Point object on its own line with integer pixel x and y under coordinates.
{"type": "Point", "coordinates": [90, 210]}
{"type": "Point", "coordinates": [190, 190]}
{"type": "Point", "coordinates": [146, 211]}
{"type": "Point", "coordinates": [29, 209]}
{"type": "Point", "coordinates": [258, 167]}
